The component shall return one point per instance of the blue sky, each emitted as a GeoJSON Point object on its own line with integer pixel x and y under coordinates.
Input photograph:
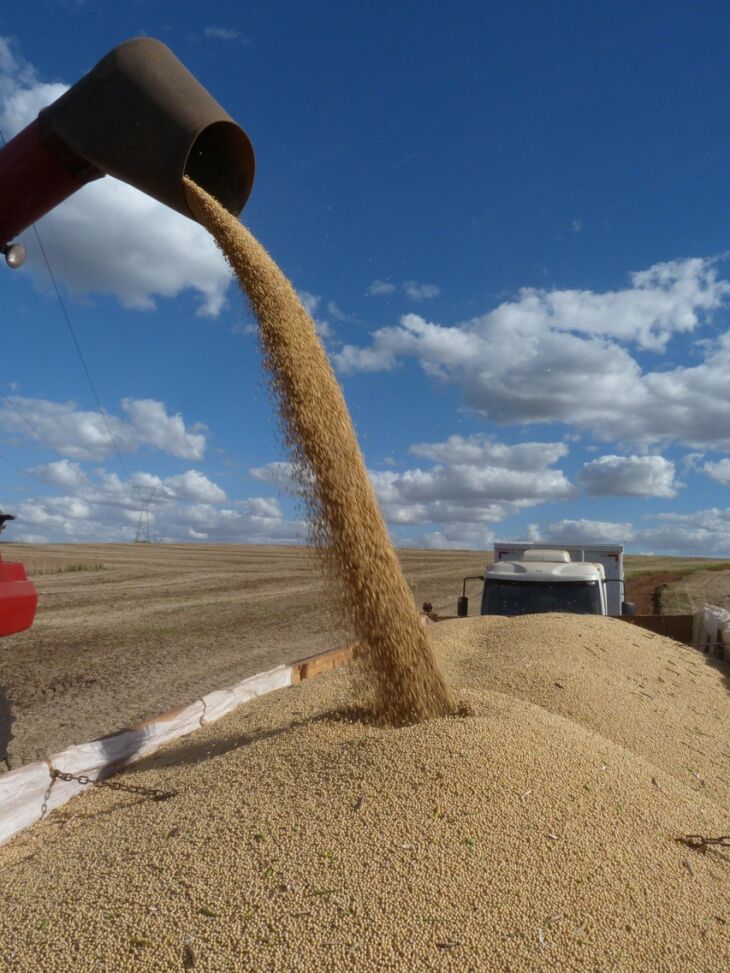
{"type": "Point", "coordinates": [507, 219]}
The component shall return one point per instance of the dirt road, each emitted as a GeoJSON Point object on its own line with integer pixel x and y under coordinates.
{"type": "Point", "coordinates": [125, 632]}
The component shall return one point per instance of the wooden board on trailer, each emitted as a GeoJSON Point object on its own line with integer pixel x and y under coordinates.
{"type": "Point", "coordinates": [677, 627]}
{"type": "Point", "coordinates": [315, 665]}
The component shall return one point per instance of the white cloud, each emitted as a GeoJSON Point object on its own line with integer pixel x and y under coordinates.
{"type": "Point", "coordinates": [630, 476]}
{"type": "Point", "coordinates": [184, 507]}
{"type": "Point", "coordinates": [587, 532]}
{"type": "Point", "coordinates": [310, 303]}
{"type": "Point", "coordinates": [152, 426]}
{"type": "Point", "coordinates": [663, 300]}
{"type": "Point", "coordinates": [703, 533]}
{"type": "Point", "coordinates": [59, 520]}
{"type": "Point", "coordinates": [668, 298]}
{"type": "Point", "coordinates": [279, 474]}
{"type": "Point", "coordinates": [469, 483]}
{"type": "Point", "coordinates": [691, 462]}
{"type": "Point", "coordinates": [554, 357]}
{"type": "Point", "coordinates": [337, 313]}
{"type": "Point", "coordinates": [110, 238]}
{"type": "Point", "coordinates": [531, 533]}
{"type": "Point", "coordinates": [194, 485]}
{"type": "Point", "coordinates": [480, 448]}
{"type": "Point", "coordinates": [351, 359]}
{"type": "Point", "coordinates": [473, 537]}
{"type": "Point", "coordinates": [420, 292]}
{"type": "Point", "coordinates": [222, 33]}
{"type": "Point", "coordinates": [380, 287]}
{"type": "Point", "coordinates": [141, 487]}
{"type": "Point", "coordinates": [475, 480]}
{"type": "Point", "coordinates": [62, 473]}
{"type": "Point", "coordinates": [25, 537]}
{"type": "Point", "coordinates": [411, 288]}
{"type": "Point", "coordinates": [262, 507]}
{"type": "Point", "coordinates": [11, 64]}
{"type": "Point", "coordinates": [719, 471]}
{"type": "Point", "coordinates": [84, 435]}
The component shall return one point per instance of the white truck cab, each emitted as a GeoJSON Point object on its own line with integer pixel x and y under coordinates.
{"type": "Point", "coordinates": [531, 578]}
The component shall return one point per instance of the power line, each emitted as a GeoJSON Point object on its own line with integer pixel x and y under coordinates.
{"type": "Point", "coordinates": [7, 460]}
{"type": "Point", "coordinates": [120, 504]}
{"type": "Point", "coordinates": [70, 327]}
{"type": "Point", "coordinates": [78, 349]}
{"type": "Point", "coordinates": [29, 424]}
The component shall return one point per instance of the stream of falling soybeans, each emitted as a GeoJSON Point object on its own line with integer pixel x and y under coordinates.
{"type": "Point", "coordinates": [347, 526]}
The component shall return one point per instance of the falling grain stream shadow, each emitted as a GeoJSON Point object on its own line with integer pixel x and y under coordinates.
{"type": "Point", "coordinates": [191, 751]}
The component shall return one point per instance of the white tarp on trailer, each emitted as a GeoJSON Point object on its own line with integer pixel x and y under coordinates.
{"type": "Point", "coordinates": [28, 794]}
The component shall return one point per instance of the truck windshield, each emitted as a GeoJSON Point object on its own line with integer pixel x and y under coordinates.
{"type": "Point", "coordinates": [530, 597]}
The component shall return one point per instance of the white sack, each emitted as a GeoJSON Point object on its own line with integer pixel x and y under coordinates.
{"type": "Point", "coordinates": [712, 631]}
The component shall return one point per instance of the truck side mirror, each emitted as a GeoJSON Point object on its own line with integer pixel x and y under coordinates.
{"type": "Point", "coordinates": [462, 607]}
{"type": "Point", "coordinates": [628, 608]}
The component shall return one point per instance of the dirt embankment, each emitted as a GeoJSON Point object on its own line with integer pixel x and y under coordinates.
{"type": "Point", "coordinates": [645, 591]}
{"type": "Point", "coordinates": [678, 592]}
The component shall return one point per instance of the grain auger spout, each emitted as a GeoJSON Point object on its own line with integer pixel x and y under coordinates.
{"type": "Point", "coordinates": [140, 116]}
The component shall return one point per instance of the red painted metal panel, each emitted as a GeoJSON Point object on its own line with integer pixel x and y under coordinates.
{"type": "Point", "coordinates": [18, 598]}
{"type": "Point", "coordinates": [32, 182]}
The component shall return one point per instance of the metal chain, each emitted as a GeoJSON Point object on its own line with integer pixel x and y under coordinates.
{"type": "Point", "coordinates": [44, 805]}
{"type": "Point", "coordinates": [701, 843]}
{"type": "Point", "coordinates": [115, 785]}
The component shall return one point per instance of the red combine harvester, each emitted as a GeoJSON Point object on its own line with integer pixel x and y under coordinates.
{"type": "Point", "coordinates": [18, 598]}
{"type": "Point", "coordinates": [140, 116]}
{"type": "Point", "coordinates": [18, 602]}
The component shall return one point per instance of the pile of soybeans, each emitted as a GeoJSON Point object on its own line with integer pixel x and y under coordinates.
{"type": "Point", "coordinates": [538, 833]}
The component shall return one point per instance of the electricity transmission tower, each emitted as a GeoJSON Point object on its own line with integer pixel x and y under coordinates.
{"type": "Point", "coordinates": [143, 524]}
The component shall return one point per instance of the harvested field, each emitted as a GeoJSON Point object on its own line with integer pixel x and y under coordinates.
{"type": "Point", "coordinates": [125, 632]}
{"type": "Point", "coordinates": [691, 592]}
{"type": "Point", "coordinates": [542, 832]}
